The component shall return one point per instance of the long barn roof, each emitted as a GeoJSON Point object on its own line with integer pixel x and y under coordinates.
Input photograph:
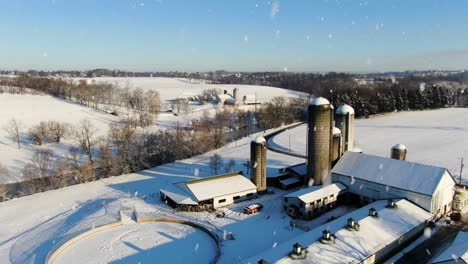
{"type": "Point", "coordinates": [411, 176]}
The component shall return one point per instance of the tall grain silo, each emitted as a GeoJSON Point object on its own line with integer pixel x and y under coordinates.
{"type": "Point", "coordinates": [336, 145]}
{"type": "Point", "coordinates": [344, 120]}
{"type": "Point", "coordinates": [258, 160]}
{"type": "Point", "coordinates": [235, 94]}
{"type": "Point", "coordinates": [319, 140]}
{"type": "Point", "coordinates": [399, 152]}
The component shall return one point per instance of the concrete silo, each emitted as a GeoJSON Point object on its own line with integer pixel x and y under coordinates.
{"type": "Point", "coordinates": [399, 152]}
{"type": "Point", "coordinates": [319, 140]}
{"type": "Point", "coordinates": [258, 160]}
{"type": "Point", "coordinates": [344, 120]}
{"type": "Point", "coordinates": [336, 145]}
{"type": "Point", "coordinates": [235, 94]}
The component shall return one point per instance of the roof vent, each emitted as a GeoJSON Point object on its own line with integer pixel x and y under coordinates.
{"type": "Point", "coordinates": [297, 248]}
{"type": "Point", "coordinates": [391, 204]}
{"type": "Point", "coordinates": [373, 212]}
{"type": "Point", "coordinates": [298, 252]}
{"type": "Point", "coordinates": [352, 224]}
{"type": "Point", "coordinates": [327, 237]}
{"type": "Point", "coordinates": [262, 261]}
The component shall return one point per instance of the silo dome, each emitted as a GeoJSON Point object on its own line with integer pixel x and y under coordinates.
{"type": "Point", "coordinates": [399, 146]}
{"type": "Point", "coordinates": [345, 109]}
{"type": "Point", "coordinates": [336, 131]}
{"type": "Point", "coordinates": [319, 101]}
{"type": "Point", "coordinates": [259, 139]}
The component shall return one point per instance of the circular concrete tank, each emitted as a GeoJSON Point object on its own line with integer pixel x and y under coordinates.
{"type": "Point", "coordinates": [399, 152]}
{"type": "Point", "coordinates": [319, 140]}
{"type": "Point", "coordinates": [344, 120]}
{"type": "Point", "coordinates": [258, 160]}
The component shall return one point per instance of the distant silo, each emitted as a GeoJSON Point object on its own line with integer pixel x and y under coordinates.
{"type": "Point", "coordinates": [344, 120]}
{"type": "Point", "coordinates": [235, 94]}
{"type": "Point", "coordinates": [258, 160]}
{"type": "Point", "coordinates": [336, 145]}
{"type": "Point", "coordinates": [319, 140]}
{"type": "Point", "coordinates": [399, 152]}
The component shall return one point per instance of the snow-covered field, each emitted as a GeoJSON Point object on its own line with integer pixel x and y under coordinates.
{"type": "Point", "coordinates": [434, 137]}
{"type": "Point", "coordinates": [171, 88]}
{"type": "Point", "coordinates": [32, 225]}
{"type": "Point", "coordinates": [29, 110]}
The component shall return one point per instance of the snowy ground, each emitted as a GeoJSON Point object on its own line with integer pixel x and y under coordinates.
{"type": "Point", "coordinates": [434, 137]}
{"type": "Point", "coordinates": [31, 226]}
{"type": "Point", "coordinates": [29, 110]}
{"type": "Point", "coordinates": [28, 232]}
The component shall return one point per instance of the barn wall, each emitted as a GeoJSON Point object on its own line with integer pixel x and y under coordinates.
{"type": "Point", "coordinates": [378, 191]}
{"type": "Point", "coordinates": [230, 198]}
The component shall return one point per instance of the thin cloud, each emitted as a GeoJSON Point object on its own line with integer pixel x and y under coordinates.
{"type": "Point", "coordinates": [275, 8]}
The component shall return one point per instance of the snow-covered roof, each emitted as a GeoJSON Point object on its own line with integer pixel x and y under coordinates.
{"type": "Point", "coordinates": [411, 176]}
{"type": "Point", "coordinates": [220, 185]}
{"type": "Point", "coordinates": [290, 181]}
{"type": "Point", "coordinates": [178, 195]}
{"type": "Point", "coordinates": [336, 131]}
{"type": "Point", "coordinates": [345, 109]}
{"type": "Point", "coordinates": [319, 101]}
{"type": "Point", "coordinates": [300, 169]}
{"type": "Point", "coordinates": [457, 251]}
{"type": "Point", "coordinates": [259, 139]}
{"type": "Point", "coordinates": [399, 146]}
{"type": "Point", "coordinates": [374, 234]}
{"type": "Point", "coordinates": [313, 193]}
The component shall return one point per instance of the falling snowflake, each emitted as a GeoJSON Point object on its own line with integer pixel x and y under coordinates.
{"type": "Point", "coordinates": [427, 232]}
{"type": "Point", "coordinates": [275, 244]}
{"type": "Point", "coordinates": [246, 38]}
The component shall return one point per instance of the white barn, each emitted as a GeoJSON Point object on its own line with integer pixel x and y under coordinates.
{"type": "Point", "coordinates": [310, 202]}
{"type": "Point", "coordinates": [209, 192]}
{"type": "Point", "coordinates": [375, 178]}
{"type": "Point", "coordinates": [372, 239]}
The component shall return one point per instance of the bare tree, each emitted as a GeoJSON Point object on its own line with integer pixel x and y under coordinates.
{"type": "Point", "coordinates": [216, 163]}
{"type": "Point", "coordinates": [13, 128]}
{"type": "Point", "coordinates": [59, 173]}
{"type": "Point", "coordinates": [230, 165]}
{"type": "Point", "coordinates": [86, 138]}
{"type": "Point", "coordinates": [39, 133]}
{"type": "Point", "coordinates": [57, 130]}
{"type": "Point", "coordinates": [42, 162]}
{"type": "Point", "coordinates": [4, 173]}
{"type": "Point", "coordinates": [106, 160]}
{"type": "Point", "coordinates": [30, 173]}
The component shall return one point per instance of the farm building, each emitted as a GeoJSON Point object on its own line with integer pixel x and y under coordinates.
{"type": "Point", "coordinates": [374, 178]}
{"type": "Point", "coordinates": [457, 252]}
{"type": "Point", "coordinates": [312, 201]}
{"type": "Point", "coordinates": [209, 193]}
{"type": "Point", "coordinates": [366, 235]}
{"type": "Point", "coordinates": [288, 177]}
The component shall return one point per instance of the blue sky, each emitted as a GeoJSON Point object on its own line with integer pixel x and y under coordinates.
{"type": "Point", "coordinates": [240, 35]}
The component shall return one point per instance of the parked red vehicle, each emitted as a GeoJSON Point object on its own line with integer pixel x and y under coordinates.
{"type": "Point", "coordinates": [253, 208]}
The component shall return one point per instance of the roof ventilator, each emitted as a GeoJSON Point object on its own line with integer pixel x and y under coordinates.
{"type": "Point", "coordinates": [352, 225]}
{"type": "Point", "coordinates": [373, 212]}
{"type": "Point", "coordinates": [298, 252]}
{"type": "Point", "coordinates": [327, 237]}
{"type": "Point", "coordinates": [391, 204]}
